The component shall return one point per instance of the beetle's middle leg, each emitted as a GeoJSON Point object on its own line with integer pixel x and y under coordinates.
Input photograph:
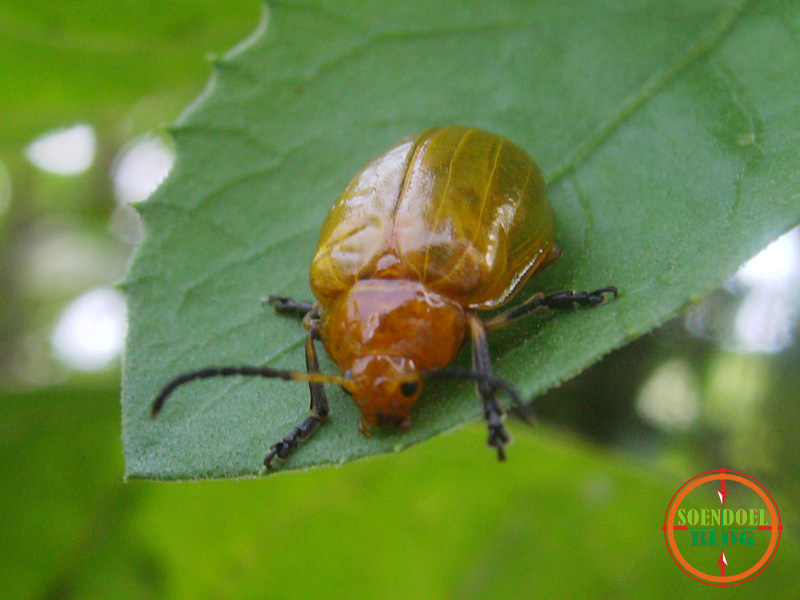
{"type": "Point", "coordinates": [318, 407]}
{"type": "Point", "coordinates": [481, 364]}
{"type": "Point", "coordinates": [568, 299]}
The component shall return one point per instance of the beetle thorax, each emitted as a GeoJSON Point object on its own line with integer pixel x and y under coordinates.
{"type": "Point", "coordinates": [380, 333]}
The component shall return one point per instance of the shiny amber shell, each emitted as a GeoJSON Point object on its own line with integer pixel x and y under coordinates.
{"type": "Point", "coordinates": [461, 210]}
{"type": "Point", "coordinates": [444, 223]}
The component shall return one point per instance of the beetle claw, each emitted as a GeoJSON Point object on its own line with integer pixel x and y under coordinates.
{"type": "Point", "coordinates": [498, 435]}
{"type": "Point", "coordinates": [599, 297]}
{"type": "Point", "coordinates": [273, 452]}
{"type": "Point", "coordinates": [498, 438]}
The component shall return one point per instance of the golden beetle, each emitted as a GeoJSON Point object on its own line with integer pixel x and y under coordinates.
{"type": "Point", "coordinates": [440, 226]}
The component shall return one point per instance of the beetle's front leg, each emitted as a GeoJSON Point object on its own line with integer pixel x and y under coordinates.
{"type": "Point", "coordinates": [287, 306]}
{"type": "Point", "coordinates": [481, 363]}
{"type": "Point", "coordinates": [318, 407]}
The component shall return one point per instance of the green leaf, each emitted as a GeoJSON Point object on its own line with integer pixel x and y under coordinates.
{"type": "Point", "coordinates": [667, 135]}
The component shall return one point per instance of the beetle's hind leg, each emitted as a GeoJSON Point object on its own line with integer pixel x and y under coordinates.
{"type": "Point", "coordinates": [492, 412]}
{"type": "Point", "coordinates": [318, 407]}
{"type": "Point", "coordinates": [568, 299]}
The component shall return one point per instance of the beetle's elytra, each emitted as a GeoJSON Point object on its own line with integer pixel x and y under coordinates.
{"type": "Point", "coordinates": [437, 228]}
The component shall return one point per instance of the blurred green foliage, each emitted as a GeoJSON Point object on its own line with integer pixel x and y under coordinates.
{"type": "Point", "coordinates": [575, 513]}
{"type": "Point", "coordinates": [561, 519]}
{"type": "Point", "coordinates": [122, 65]}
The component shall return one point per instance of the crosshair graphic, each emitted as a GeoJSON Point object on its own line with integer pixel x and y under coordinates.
{"type": "Point", "coordinates": [722, 527]}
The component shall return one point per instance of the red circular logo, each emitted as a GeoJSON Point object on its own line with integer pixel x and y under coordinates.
{"type": "Point", "coordinates": [722, 527]}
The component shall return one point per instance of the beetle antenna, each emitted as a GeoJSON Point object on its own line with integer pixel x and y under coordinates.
{"type": "Point", "coordinates": [493, 382]}
{"type": "Point", "coordinates": [246, 371]}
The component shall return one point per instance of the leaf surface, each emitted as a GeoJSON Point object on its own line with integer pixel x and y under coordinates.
{"type": "Point", "coordinates": [667, 133]}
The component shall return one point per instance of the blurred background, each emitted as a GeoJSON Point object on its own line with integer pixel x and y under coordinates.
{"type": "Point", "coordinates": [85, 90]}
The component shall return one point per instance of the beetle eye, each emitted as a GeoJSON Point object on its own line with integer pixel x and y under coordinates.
{"type": "Point", "coordinates": [409, 388]}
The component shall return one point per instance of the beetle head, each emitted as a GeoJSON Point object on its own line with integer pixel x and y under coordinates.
{"type": "Point", "coordinates": [385, 389]}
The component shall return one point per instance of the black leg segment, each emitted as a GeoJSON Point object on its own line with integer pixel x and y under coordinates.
{"type": "Point", "coordinates": [492, 412]}
{"type": "Point", "coordinates": [301, 433]}
{"type": "Point", "coordinates": [286, 306]}
{"type": "Point", "coordinates": [319, 399]}
{"type": "Point", "coordinates": [318, 407]}
{"type": "Point", "coordinates": [568, 299]}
